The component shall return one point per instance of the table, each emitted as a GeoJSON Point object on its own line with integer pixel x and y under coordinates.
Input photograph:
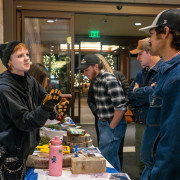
{"type": "Point", "coordinates": [40, 174]}
{"type": "Point", "coordinates": [111, 173]}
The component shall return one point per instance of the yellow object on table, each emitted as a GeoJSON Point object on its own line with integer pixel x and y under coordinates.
{"type": "Point", "coordinates": [66, 150]}
{"type": "Point", "coordinates": [45, 148]}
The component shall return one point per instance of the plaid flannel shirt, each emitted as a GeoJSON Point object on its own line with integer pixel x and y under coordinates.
{"type": "Point", "coordinates": [108, 94]}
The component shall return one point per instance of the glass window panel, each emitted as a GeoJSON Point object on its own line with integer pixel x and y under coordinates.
{"type": "Point", "coordinates": [44, 38]}
{"type": "Point", "coordinates": [111, 54]}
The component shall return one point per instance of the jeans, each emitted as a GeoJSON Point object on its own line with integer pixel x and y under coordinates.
{"type": "Point", "coordinates": [97, 129]}
{"type": "Point", "coordinates": [146, 174]}
{"type": "Point", "coordinates": [110, 140]}
{"type": "Point", "coordinates": [138, 138]}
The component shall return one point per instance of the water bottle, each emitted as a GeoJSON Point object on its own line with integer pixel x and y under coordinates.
{"type": "Point", "coordinates": [55, 156]}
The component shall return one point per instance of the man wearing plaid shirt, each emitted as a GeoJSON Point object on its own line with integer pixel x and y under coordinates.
{"type": "Point", "coordinates": [111, 106]}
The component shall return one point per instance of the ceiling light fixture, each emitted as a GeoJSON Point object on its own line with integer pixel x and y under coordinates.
{"type": "Point", "coordinates": [18, 6]}
{"type": "Point", "coordinates": [50, 21]}
{"type": "Point", "coordinates": [138, 24]}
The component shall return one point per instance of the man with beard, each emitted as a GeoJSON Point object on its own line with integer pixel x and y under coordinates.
{"type": "Point", "coordinates": [160, 149]}
{"type": "Point", "coordinates": [111, 106]}
{"type": "Point", "coordinates": [139, 91]}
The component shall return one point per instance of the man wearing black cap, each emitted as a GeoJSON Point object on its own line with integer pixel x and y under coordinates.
{"type": "Point", "coordinates": [22, 110]}
{"type": "Point", "coordinates": [111, 106]}
{"type": "Point", "coordinates": [160, 150]}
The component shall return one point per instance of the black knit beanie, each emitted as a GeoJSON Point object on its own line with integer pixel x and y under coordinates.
{"type": "Point", "coordinates": [6, 51]}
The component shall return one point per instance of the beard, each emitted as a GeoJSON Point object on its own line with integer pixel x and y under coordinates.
{"type": "Point", "coordinates": [155, 50]}
{"type": "Point", "coordinates": [93, 75]}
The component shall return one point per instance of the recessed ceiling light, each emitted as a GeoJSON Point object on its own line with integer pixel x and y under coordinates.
{"type": "Point", "coordinates": [50, 21]}
{"type": "Point", "coordinates": [52, 46]}
{"type": "Point", "coordinates": [18, 6]}
{"type": "Point", "coordinates": [123, 48]}
{"type": "Point", "coordinates": [51, 49]}
{"type": "Point", "coordinates": [138, 24]}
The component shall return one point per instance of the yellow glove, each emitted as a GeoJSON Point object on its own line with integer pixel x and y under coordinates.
{"type": "Point", "coordinates": [51, 100]}
{"type": "Point", "coordinates": [62, 107]}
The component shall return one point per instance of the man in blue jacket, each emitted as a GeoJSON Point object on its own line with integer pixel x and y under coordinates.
{"type": "Point", "coordinates": [160, 149]}
{"type": "Point", "coordinates": [140, 90]}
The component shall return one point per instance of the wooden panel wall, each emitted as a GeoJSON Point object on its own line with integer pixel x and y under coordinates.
{"type": "Point", "coordinates": [2, 68]}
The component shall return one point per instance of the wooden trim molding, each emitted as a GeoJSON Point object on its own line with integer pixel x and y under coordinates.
{"type": "Point", "coordinates": [43, 14]}
{"type": "Point", "coordinates": [1, 21]}
{"type": "Point", "coordinates": [91, 7]}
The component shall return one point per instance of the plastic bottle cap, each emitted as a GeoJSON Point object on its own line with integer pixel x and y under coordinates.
{"type": "Point", "coordinates": [56, 141]}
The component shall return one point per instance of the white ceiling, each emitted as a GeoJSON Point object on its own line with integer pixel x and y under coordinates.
{"type": "Point", "coordinates": [110, 25]}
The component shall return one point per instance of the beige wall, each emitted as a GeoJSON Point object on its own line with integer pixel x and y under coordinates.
{"type": "Point", "coordinates": [2, 68]}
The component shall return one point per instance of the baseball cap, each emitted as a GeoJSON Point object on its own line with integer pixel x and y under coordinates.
{"type": "Point", "coordinates": [169, 17]}
{"type": "Point", "coordinates": [143, 45]}
{"type": "Point", "coordinates": [88, 60]}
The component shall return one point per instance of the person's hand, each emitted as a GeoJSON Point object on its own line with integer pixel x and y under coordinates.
{"type": "Point", "coordinates": [135, 86]}
{"type": "Point", "coordinates": [51, 100]}
{"type": "Point", "coordinates": [153, 84]}
{"type": "Point", "coordinates": [62, 107]}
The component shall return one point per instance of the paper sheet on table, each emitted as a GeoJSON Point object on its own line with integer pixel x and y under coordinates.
{"type": "Point", "coordinates": [67, 175]}
{"type": "Point", "coordinates": [51, 122]}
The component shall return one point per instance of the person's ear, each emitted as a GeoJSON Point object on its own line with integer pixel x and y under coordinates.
{"type": "Point", "coordinates": [166, 29]}
{"type": "Point", "coordinates": [9, 64]}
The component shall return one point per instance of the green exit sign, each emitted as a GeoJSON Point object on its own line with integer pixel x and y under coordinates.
{"type": "Point", "coordinates": [94, 34]}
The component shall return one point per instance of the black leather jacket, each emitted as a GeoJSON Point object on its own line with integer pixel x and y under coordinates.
{"type": "Point", "coordinates": [21, 115]}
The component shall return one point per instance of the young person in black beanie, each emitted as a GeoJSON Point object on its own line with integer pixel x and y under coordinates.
{"type": "Point", "coordinates": [24, 108]}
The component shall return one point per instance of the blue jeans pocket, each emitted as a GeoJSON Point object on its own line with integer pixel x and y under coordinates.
{"type": "Point", "coordinates": [110, 138]}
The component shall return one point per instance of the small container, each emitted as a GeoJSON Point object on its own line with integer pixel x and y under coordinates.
{"type": "Point", "coordinates": [66, 150]}
{"type": "Point", "coordinates": [55, 156]}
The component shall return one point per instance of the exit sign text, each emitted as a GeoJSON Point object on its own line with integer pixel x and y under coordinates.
{"type": "Point", "coordinates": [94, 34]}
